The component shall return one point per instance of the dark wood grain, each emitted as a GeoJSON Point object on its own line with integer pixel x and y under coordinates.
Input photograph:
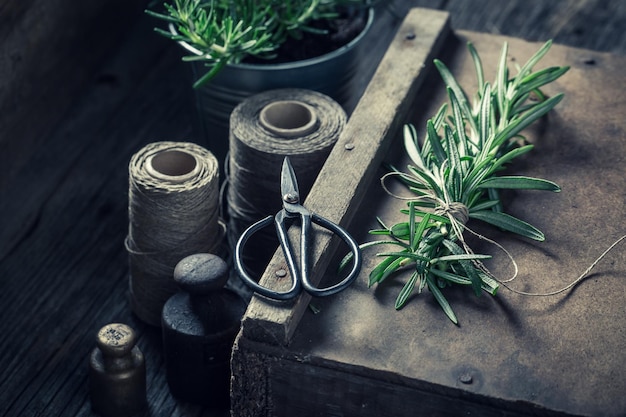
{"type": "Point", "coordinates": [588, 24]}
{"type": "Point", "coordinates": [50, 51]}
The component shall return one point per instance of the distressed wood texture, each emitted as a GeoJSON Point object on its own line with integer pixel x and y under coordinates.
{"type": "Point", "coordinates": [350, 167]}
{"type": "Point", "coordinates": [513, 354]}
{"type": "Point", "coordinates": [589, 24]}
{"type": "Point", "coordinates": [84, 85]}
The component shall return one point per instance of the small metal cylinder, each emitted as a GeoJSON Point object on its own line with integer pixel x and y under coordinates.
{"type": "Point", "coordinates": [199, 326]}
{"type": "Point", "coordinates": [117, 373]}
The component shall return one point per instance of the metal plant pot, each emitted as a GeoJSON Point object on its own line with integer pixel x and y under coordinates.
{"type": "Point", "coordinates": [331, 74]}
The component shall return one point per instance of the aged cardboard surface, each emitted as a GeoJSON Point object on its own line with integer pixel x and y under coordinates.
{"type": "Point", "coordinates": [564, 353]}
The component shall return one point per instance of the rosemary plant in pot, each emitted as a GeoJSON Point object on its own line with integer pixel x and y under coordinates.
{"type": "Point", "coordinates": [238, 48]}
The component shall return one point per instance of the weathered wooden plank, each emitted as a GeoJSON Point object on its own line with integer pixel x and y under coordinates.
{"type": "Point", "coordinates": [588, 24]}
{"type": "Point", "coordinates": [548, 356]}
{"type": "Point", "coordinates": [271, 314]}
{"type": "Point", "coordinates": [322, 389]}
{"type": "Point", "coordinates": [348, 170]}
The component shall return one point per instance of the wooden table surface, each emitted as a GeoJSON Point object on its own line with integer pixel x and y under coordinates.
{"type": "Point", "coordinates": [63, 193]}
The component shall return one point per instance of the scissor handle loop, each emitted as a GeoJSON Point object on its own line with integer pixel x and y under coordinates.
{"type": "Point", "coordinates": [251, 282]}
{"type": "Point", "coordinates": [357, 259]}
{"type": "Point", "coordinates": [300, 276]}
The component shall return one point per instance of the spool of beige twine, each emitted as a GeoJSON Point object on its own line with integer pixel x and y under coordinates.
{"type": "Point", "coordinates": [264, 128]}
{"type": "Point", "coordinates": [173, 212]}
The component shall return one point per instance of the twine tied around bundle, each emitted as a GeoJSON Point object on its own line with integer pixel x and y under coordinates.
{"type": "Point", "coordinates": [454, 210]}
{"type": "Point", "coordinates": [458, 215]}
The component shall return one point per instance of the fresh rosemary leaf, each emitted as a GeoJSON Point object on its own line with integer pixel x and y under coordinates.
{"type": "Point", "coordinates": [459, 257]}
{"type": "Point", "coordinates": [456, 169]}
{"type": "Point", "coordinates": [530, 64]}
{"type": "Point", "coordinates": [417, 182]}
{"type": "Point", "coordinates": [432, 216]}
{"type": "Point", "coordinates": [435, 142]}
{"type": "Point", "coordinates": [501, 84]}
{"type": "Point", "coordinates": [526, 119]}
{"type": "Point", "coordinates": [397, 263]}
{"type": "Point", "coordinates": [485, 116]}
{"type": "Point", "coordinates": [377, 273]}
{"type": "Point", "coordinates": [406, 291]}
{"type": "Point", "coordinates": [520, 104]}
{"type": "Point", "coordinates": [508, 223]}
{"type": "Point", "coordinates": [421, 228]}
{"type": "Point", "coordinates": [346, 259]}
{"type": "Point", "coordinates": [411, 147]}
{"type": "Point", "coordinates": [538, 79]}
{"type": "Point", "coordinates": [467, 266]}
{"type": "Point", "coordinates": [428, 179]}
{"type": "Point", "coordinates": [460, 141]}
{"type": "Point", "coordinates": [476, 175]}
{"type": "Point", "coordinates": [379, 232]}
{"type": "Point", "coordinates": [413, 238]}
{"type": "Point", "coordinates": [494, 195]}
{"type": "Point", "coordinates": [519, 183]}
{"type": "Point", "coordinates": [478, 68]}
{"type": "Point", "coordinates": [408, 256]}
{"type": "Point", "coordinates": [432, 286]}
{"type": "Point", "coordinates": [401, 231]}
{"type": "Point", "coordinates": [487, 204]}
{"type": "Point", "coordinates": [453, 84]}
{"type": "Point", "coordinates": [514, 153]}
{"type": "Point", "coordinates": [449, 276]}
{"type": "Point", "coordinates": [489, 284]}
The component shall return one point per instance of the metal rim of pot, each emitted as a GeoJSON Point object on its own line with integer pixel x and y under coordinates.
{"type": "Point", "coordinates": [292, 64]}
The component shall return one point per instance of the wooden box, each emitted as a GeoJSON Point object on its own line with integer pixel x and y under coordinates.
{"type": "Point", "coordinates": [511, 355]}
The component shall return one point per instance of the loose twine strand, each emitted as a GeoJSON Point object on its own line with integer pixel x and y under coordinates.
{"type": "Point", "coordinates": [536, 294]}
{"type": "Point", "coordinates": [169, 219]}
{"type": "Point", "coordinates": [458, 214]}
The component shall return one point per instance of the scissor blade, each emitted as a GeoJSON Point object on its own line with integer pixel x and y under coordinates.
{"type": "Point", "coordinates": [288, 181]}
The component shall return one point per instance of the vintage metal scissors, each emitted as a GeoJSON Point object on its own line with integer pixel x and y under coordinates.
{"type": "Point", "coordinates": [292, 209]}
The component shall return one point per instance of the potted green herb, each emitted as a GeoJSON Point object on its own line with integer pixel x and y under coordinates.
{"type": "Point", "coordinates": [242, 47]}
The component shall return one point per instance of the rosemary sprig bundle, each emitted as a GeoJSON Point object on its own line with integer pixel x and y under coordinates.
{"type": "Point", "coordinates": [454, 179]}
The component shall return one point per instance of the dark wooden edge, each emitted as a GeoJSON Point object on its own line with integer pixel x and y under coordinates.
{"type": "Point", "coordinates": [350, 168]}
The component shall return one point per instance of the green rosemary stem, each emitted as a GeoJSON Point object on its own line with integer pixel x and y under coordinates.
{"type": "Point", "coordinates": [454, 178]}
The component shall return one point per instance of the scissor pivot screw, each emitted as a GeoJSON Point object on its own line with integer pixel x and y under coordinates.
{"type": "Point", "coordinates": [291, 198]}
